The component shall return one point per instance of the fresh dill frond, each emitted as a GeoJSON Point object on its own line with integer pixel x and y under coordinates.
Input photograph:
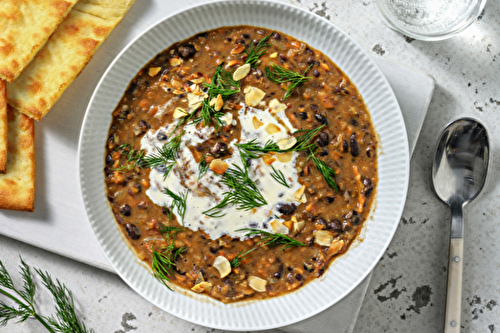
{"type": "Point", "coordinates": [279, 177]}
{"type": "Point", "coordinates": [272, 239]}
{"type": "Point", "coordinates": [133, 158]}
{"type": "Point", "coordinates": [168, 231]}
{"type": "Point", "coordinates": [255, 51]}
{"type": "Point", "coordinates": [164, 262]}
{"type": "Point", "coordinates": [279, 75]}
{"type": "Point", "coordinates": [202, 167]}
{"type": "Point", "coordinates": [165, 156]}
{"type": "Point", "coordinates": [65, 320]}
{"type": "Point", "coordinates": [327, 172]}
{"type": "Point", "coordinates": [305, 138]}
{"type": "Point", "coordinates": [243, 192]}
{"type": "Point", "coordinates": [239, 257]}
{"type": "Point", "coordinates": [179, 202]}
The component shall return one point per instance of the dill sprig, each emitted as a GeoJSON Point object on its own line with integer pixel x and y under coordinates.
{"type": "Point", "coordinates": [167, 231]}
{"type": "Point", "coordinates": [202, 167]}
{"type": "Point", "coordinates": [165, 156]}
{"type": "Point", "coordinates": [327, 172]}
{"type": "Point", "coordinates": [239, 257]}
{"type": "Point", "coordinates": [255, 51]}
{"type": "Point", "coordinates": [65, 321]}
{"type": "Point", "coordinates": [243, 192]}
{"type": "Point", "coordinates": [222, 84]}
{"type": "Point", "coordinates": [179, 203]}
{"type": "Point", "coordinates": [133, 157]}
{"type": "Point", "coordinates": [279, 177]}
{"type": "Point", "coordinates": [272, 239]}
{"type": "Point", "coordinates": [164, 262]}
{"type": "Point", "coordinates": [279, 75]}
{"type": "Point", "coordinates": [251, 149]}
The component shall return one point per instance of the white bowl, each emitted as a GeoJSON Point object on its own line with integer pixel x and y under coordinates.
{"type": "Point", "coordinates": [393, 165]}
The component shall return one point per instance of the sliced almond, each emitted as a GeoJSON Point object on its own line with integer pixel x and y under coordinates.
{"type": "Point", "coordinates": [222, 265]}
{"type": "Point", "coordinates": [218, 103]}
{"type": "Point", "coordinates": [257, 284]}
{"type": "Point", "coordinates": [218, 166]}
{"type": "Point", "coordinates": [335, 247]}
{"type": "Point", "coordinates": [254, 96]}
{"type": "Point", "coordinates": [227, 118]}
{"type": "Point", "coordinates": [256, 122]}
{"type": "Point", "coordinates": [274, 55]}
{"type": "Point", "coordinates": [300, 193]}
{"type": "Point", "coordinates": [178, 92]}
{"type": "Point", "coordinates": [284, 157]}
{"type": "Point", "coordinates": [238, 49]}
{"type": "Point", "coordinates": [201, 287]}
{"type": "Point", "coordinates": [247, 89]}
{"type": "Point", "coordinates": [278, 227]}
{"type": "Point", "coordinates": [241, 72]}
{"type": "Point", "coordinates": [198, 80]}
{"type": "Point", "coordinates": [298, 226]}
{"type": "Point", "coordinates": [272, 129]}
{"type": "Point", "coordinates": [194, 101]}
{"type": "Point", "coordinates": [199, 278]}
{"type": "Point", "coordinates": [212, 101]}
{"type": "Point", "coordinates": [276, 106]}
{"type": "Point", "coordinates": [153, 71]}
{"type": "Point", "coordinates": [286, 143]}
{"type": "Point", "coordinates": [176, 84]}
{"type": "Point", "coordinates": [268, 159]}
{"type": "Point", "coordinates": [232, 63]}
{"type": "Point", "coordinates": [175, 62]}
{"type": "Point", "coordinates": [288, 224]}
{"type": "Point", "coordinates": [179, 113]}
{"type": "Point", "coordinates": [323, 237]}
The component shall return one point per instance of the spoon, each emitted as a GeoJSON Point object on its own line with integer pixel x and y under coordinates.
{"type": "Point", "coordinates": [458, 175]}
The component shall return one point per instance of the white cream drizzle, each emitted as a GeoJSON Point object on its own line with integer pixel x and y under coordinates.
{"type": "Point", "coordinates": [207, 192]}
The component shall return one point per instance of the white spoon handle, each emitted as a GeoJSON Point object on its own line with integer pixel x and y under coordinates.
{"type": "Point", "coordinates": [454, 290]}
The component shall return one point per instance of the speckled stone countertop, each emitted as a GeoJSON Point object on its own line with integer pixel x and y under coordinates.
{"type": "Point", "coordinates": [407, 290]}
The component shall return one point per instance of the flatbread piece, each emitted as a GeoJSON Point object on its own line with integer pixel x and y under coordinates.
{"type": "Point", "coordinates": [3, 127]}
{"type": "Point", "coordinates": [17, 186]}
{"type": "Point", "coordinates": [25, 26]}
{"type": "Point", "coordinates": [65, 55]}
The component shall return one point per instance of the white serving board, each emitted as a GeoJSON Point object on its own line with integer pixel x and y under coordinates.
{"type": "Point", "coordinates": [59, 223]}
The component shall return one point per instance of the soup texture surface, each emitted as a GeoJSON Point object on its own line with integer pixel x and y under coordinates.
{"type": "Point", "coordinates": [240, 163]}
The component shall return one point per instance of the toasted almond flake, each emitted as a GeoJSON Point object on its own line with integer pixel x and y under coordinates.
{"type": "Point", "coordinates": [274, 55]}
{"type": "Point", "coordinates": [294, 219]}
{"type": "Point", "coordinates": [325, 67]}
{"type": "Point", "coordinates": [218, 103]}
{"type": "Point", "coordinates": [178, 92]}
{"type": "Point", "coordinates": [278, 227]}
{"type": "Point", "coordinates": [284, 157]}
{"type": "Point", "coordinates": [300, 192]}
{"type": "Point", "coordinates": [276, 106]}
{"type": "Point", "coordinates": [257, 284]}
{"type": "Point", "coordinates": [201, 287]}
{"type": "Point", "coordinates": [153, 71]}
{"type": "Point", "coordinates": [288, 224]}
{"type": "Point", "coordinates": [323, 238]}
{"type": "Point", "coordinates": [254, 96]}
{"type": "Point", "coordinates": [268, 159]}
{"type": "Point", "coordinates": [212, 101]}
{"type": "Point", "coordinates": [231, 63]}
{"type": "Point", "coordinates": [179, 113]}
{"type": "Point", "coordinates": [175, 62]}
{"type": "Point", "coordinates": [286, 143]}
{"type": "Point", "coordinates": [194, 100]}
{"type": "Point", "coordinates": [298, 226]}
{"type": "Point", "coordinates": [176, 84]}
{"type": "Point", "coordinates": [241, 72]}
{"type": "Point", "coordinates": [199, 278]}
{"type": "Point", "coordinates": [238, 49]}
{"type": "Point", "coordinates": [198, 80]}
{"type": "Point", "coordinates": [227, 118]}
{"type": "Point", "coordinates": [256, 122]}
{"type": "Point", "coordinates": [272, 129]}
{"type": "Point", "coordinates": [193, 87]}
{"type": "Point", "coordinates": [218, 166]}
{"type": "Point", "coordinates": [335, 247]}
{"type": "Point", "coordinates": [222, 265]}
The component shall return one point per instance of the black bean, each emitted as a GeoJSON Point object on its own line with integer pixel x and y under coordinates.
{"type": "Point", "coordinates": [276, 36]}
{"type": "Point", "coordinates": [246, 36]}
{"type": "Point", "coordinates": [213, 250]}
{"type": "Point", "coordinates": [354, 145]}
{"type": "Point", "coordinates": [142, 205]}
{"type": "Point", "coordinates": [161, 136]}
{"type": "Point", "coordinates": [323, 139]}
{"type": "Point", "coordinates": [132, 231]}
{"type": "Point", "coordinates": [356, 220]}
{"type": "Point", "coordinates": [298, 277]}
{"type": "Point", "coordinates": [240, 41]}
{"type": "Point", "coordinates": [354, 122]}
{"type": "Point", "coordinates": [330, 199]}
{"type": "Point", "coordinates": [314, 108]}
{"type": "Point", "coordinates": [323, 152]}
{"type": "Point", "coordinates": [219, 149]}
{"type": "Point", "coordinates": [255, 41]}
{"type": "Point", "coordinates": [229, 39]}
{"type": "Point", "coordinates": [335, 225]}
{"type": "Point", "coordinates": [308, 50]}
{"type": "Point", "coordinates": [143, 125]}
{"type": "Point", "coordinates": [303, 115]}
{"type": "Point", "coordinates": [125, 210]}
{"type": "Point", "coordinates": [369, 152]}
{"type": "Point", "coordinates": [186, 51]}
{"type": "Point", "coordinates": [321, 118]}
{"type": "Point", "coordinates": [280, 271]}
{"type": "Point", "coordinates": [258, 73]}
{"type": "Point", "coordinates": [345, 145]}
{"type": "Point", "coordinates": [109, 160]}
{"type": "Point", "coordinates": [165, 211]}
{"type": "Point", "coordinates": [203, 34]}
{"type": "Point", "coordinates": [316, 73]}
{"type": "Point", "coordinates": [310, 60]}
{"type": "Point", "coordinates": [367, 182]}
{"type": "Point", "coordinates": [321, 221]}
{"type": "Point", "coordinates": [286, 209]}
{"type": "Point", "coordinates": [282, 57]}
{"type": "Point", "coordinates": [132, 87]}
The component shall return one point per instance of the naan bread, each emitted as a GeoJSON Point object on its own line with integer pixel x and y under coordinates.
{"type": "Point", "coordinates": [25, 25]}
{"type": "Point", "coordinates": [65, 55]}
{"type": "Point", "coordinates": [17, 186]}
{"type": "Point", "coordinates": [3, 127]}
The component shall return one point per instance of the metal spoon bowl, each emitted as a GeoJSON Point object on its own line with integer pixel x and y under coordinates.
{"type": "Point", "coordinates": [458, 175]}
